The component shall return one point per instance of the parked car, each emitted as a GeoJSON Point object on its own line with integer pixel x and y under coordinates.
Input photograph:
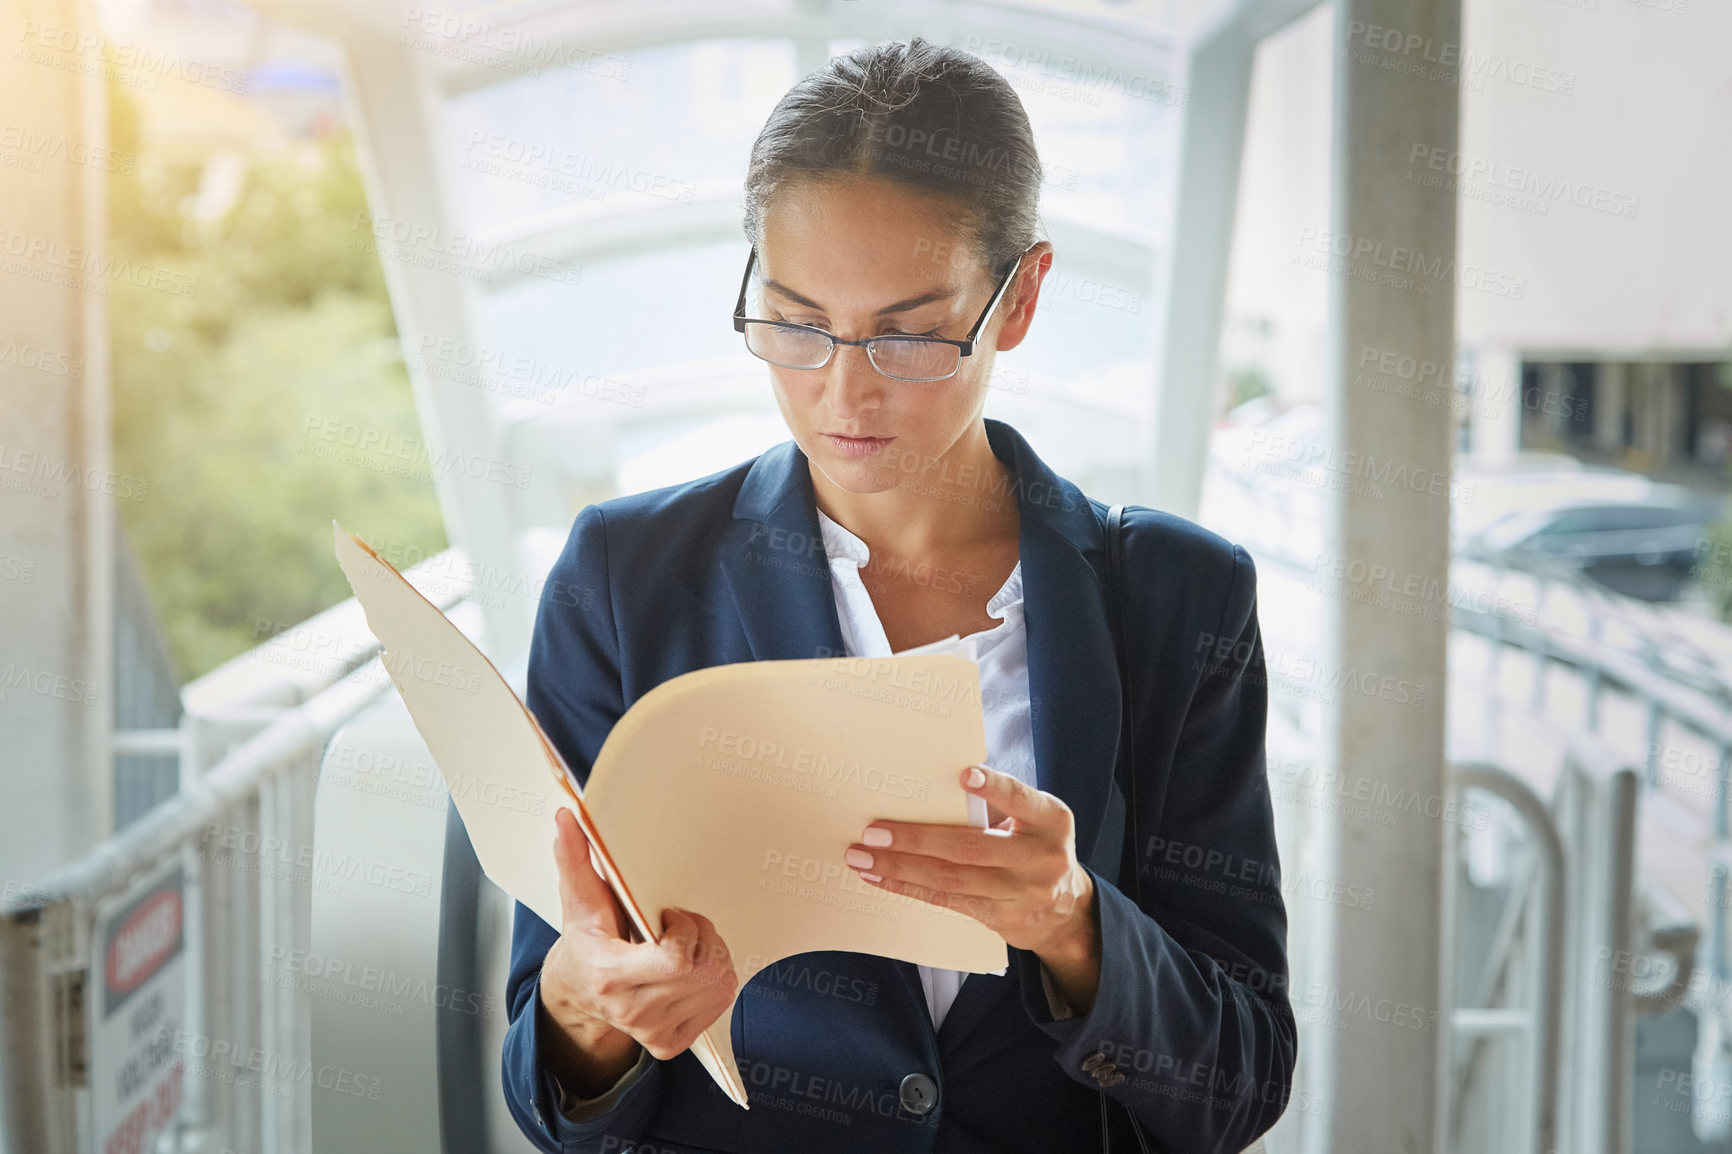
{"type": "Point", "coordinates": [1634, 536]}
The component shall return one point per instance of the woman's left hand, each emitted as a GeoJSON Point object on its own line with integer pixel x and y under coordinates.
{"type": "Point", "coordinates": [1019, 876]}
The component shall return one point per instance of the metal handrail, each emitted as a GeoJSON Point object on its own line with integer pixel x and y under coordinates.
{"type": "Point", "coordinates": [108, 867]}
{"type": "Point", "coordinates": [1663, 698]}
{"type": "Point", "coordinates": [1662, 695]}
{"type": "Point", "coordinates": [269, 725]}
{"type": "Point", "coordinates": [46, 928]}
{"type": "Point", "coordinates": [1500, 782]}
{"type": "Point", "coordinates": [1600, 904]}
{"type": "Point", "coordinates": [1709, 717]}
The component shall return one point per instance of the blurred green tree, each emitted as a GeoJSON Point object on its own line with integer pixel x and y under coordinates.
{"type": "Point", "coordinates": [1246, 383]}
{"type": "Point", "coordinates": [215, 392]}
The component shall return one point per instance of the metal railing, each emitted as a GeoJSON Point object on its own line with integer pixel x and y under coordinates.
{"type": "Point", "coordinates": [1695, 698]}
{"type": "Point", "coordinates": [1584, 919]}
{"type": "Point", "coordinates": [1656, 660]}
{"type": "Point", "coordinates": [135, 984]}
{"type": "Point", "coordinates": [1535, 912]}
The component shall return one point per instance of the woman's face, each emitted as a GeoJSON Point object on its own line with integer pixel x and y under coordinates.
{"type": "Point", "coordinates": [867, 258]}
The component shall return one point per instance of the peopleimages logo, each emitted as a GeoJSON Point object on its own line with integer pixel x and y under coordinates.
{"type": "Point", "coordinates": [84, 52]}
{"type": "Point", "coordinates": [1418, 54]}
{"type": "Point", "coordinates": [1397, 265]}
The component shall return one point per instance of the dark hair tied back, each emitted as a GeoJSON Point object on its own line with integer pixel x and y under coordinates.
{"type": "Point", "coordinates": [932, 118]}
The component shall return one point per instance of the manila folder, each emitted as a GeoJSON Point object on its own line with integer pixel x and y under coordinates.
{"type": "Point", "coordinates": [730, 791]}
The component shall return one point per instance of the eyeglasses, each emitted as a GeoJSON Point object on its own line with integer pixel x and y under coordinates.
{"type": "Point", "coordinates": [904, 358]}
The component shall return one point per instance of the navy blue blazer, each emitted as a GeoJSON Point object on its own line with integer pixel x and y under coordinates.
{"type": "Point", "coordinates": [1192, 1028]}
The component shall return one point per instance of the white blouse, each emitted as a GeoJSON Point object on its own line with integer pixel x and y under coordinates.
{"type": "Point", "coordinates": [1002, 653]}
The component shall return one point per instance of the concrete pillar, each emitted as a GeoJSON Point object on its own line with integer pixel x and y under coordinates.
{"type": "Point", "coordinates": [1645, 386]}
{"type": "Point", "coordinates": [1640, 415]}
{"type": "Point", "coordinates": [56, 495]}
{"type": "Point", "coordinates": [1672, 388]}
{"type": "Point", "coordinates": [1379, 1077]}
{"type": "Point", "coordinates": [1494, 394]}
{"type": "Point", "coordinates": [1611, 396]}
{"type": "Point", "coordinates": [1546, 406]}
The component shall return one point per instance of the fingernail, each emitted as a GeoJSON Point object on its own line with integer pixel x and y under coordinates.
{"type": "Point", "coordinates": [975, 778]}
{"type": "Point", "coordinates": [858, 858]}
{"type": "Point", "coordinates": [872, 877]}
{"type": "Point", "coordinates": [875, 836]}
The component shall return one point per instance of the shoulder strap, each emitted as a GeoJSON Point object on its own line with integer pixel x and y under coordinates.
{"type": "Point", "coordinates": [1126, 763]}
{"type": "Point", "coordinates": [1126, 768]}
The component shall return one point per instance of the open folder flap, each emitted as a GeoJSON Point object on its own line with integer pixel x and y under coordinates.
{"type": "Point", "coordinates": [731, 791]}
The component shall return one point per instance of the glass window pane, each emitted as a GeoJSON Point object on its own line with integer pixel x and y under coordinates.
{"type": "Point", "coordinates": [621, 318]}
{"type": "Point", "coordinates": [678, 127]}
{"type": "Point", "coordinates": [1108, 139]}
{"type": "Point", "coordinates": [683, 126]}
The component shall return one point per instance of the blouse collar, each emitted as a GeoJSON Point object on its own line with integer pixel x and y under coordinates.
{"type": "Point", "coordinates": [842, 545]}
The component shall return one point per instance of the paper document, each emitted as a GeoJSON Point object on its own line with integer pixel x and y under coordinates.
{"type": "Point", "coordinates": [731, 791]}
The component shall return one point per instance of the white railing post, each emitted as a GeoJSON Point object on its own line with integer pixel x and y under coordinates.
{"type": "Point", "coordinates": [1540, 1024]}
{"type": "Point", "coordinates": [1597, 818]}
{"type": "Point", "coordinates": [46, 935]}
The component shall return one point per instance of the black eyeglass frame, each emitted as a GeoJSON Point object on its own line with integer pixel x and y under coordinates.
{"type": "Point", "coordinates": [741, 320]}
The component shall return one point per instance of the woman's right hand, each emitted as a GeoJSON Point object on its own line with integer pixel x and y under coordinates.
{"type": "Point", "coordinates": [608, 994]}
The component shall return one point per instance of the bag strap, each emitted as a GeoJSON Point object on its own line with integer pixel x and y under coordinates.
{"type": "Point", "coordinates": [1125, 769]}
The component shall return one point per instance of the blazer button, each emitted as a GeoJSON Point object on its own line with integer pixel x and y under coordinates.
{"type": "Point", "coordinates": [918, 1093]}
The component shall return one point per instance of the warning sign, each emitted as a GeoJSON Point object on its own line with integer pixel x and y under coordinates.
{"type": "Point", "coordinates": [138, 998]}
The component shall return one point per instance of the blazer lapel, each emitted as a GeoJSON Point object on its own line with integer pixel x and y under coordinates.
{"type": "Point", "coordinates": [775, 564]}
{"type": "Point", "coordinates": [1073, 677]}
{"type": "Point", "coordinates": [1073, 680]}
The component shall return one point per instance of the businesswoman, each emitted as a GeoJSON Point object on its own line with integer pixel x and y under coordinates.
{"type": "Point", "coordinates": [891, 203]}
